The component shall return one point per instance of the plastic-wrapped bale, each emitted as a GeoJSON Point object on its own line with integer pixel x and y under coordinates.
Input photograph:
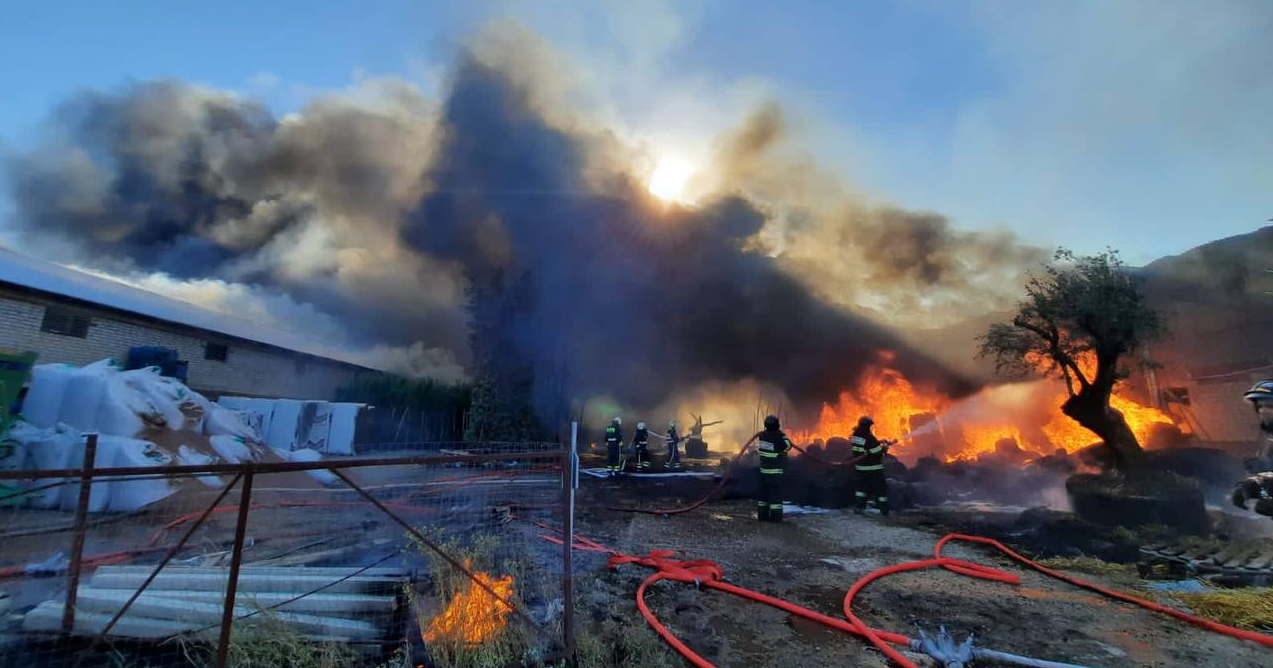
{"type": "Point", "coordinates": [85, 390]}
{"type": "Point", "coordinates": [45, 449]}
{"type": "Point", "coordinates": [133, 494]}
{"type": "Point", "coordinates": [99, 497]}
{"type": "Point", "coordinates": [222, 421]}
{"type": "Point", "coordinates": [165, 395]}
{"type": "Point", "coordinates": [123, 410]}
{"type": "Point", "coordinates": [313, 428]}
{"type": "Point", "coordinates": [188, 457]}
{"type": "Point", "coordinates": [263, 409]}
{"type": "Point", "coordinates": [344, 420]}
{"type": "Point", "coordinates": [282, 432]}
{"type": "Point", "coordinates": [231, 449]}
{"type": "Point", "coordinates": [307, 455]}
{"type": "Point", "coordinates": [43, 402]}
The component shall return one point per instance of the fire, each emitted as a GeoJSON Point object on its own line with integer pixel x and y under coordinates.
{"type": "Point", "coordinates": [1039, 428]}
{"type": "Point", "coordinates": [884, 394]}
{"type": "Point", "coordinates": [473, 616]}
{"type": "Point", "coordinates": [980, 439]}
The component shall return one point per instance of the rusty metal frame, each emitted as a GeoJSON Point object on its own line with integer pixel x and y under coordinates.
{"type": "Point", "coordinates": [172, 552]}
{"type": "Point", "coordinates": [236, 560]}
{"type": "Point", "coordinates": [77, 540]}
{"type": "Point", "coordinates": [280, 467]}
{"type": "Point", "coordinates": [455, 563]}
{"type": "Point", "coordinates": [246, 471]}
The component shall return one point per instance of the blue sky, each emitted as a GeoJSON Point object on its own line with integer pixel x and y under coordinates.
{"type": "Point", "coordinates": [1140, 124]}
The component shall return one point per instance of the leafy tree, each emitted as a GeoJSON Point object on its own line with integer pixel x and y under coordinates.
{"type": "Point", "coordinates": [1077, 322]}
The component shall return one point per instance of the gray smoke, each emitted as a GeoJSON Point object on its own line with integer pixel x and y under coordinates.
{"type": "Point", "coordinates": [380, 209]}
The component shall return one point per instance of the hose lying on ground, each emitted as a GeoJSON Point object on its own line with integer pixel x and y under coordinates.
{"type": "Point", "coordinates": [704, 573]}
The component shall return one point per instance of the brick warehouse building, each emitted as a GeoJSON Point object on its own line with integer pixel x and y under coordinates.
{"type": "Point", "coordinates": [71, 316]}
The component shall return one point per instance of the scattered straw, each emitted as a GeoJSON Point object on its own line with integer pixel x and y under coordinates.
{"type": "Point", "coordinates": [1250, 608]}
{"type": "Point", "coordinates": [1086, 564]}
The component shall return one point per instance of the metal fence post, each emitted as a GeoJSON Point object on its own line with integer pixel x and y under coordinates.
{"type": "Point", "coordinates": [77, 539]}
{"type": "Point", "coordinates": [568, 523]}
{"type": "Point", "coordinates": [236, 559]}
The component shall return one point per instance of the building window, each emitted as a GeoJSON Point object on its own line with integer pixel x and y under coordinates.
{"type": "Point", "coordinates": [58, 320]}
{"type": "Point", "coordinates": [217, 352]}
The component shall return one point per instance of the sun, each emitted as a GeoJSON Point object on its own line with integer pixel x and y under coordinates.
{"type": "Point", "coordinates": [667, 182]}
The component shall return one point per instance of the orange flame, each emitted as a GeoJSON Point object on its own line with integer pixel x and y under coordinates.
{"type": "Point", "coordinates": [885, 394]}
{"type": "Point", "coordinates": [473, 616]}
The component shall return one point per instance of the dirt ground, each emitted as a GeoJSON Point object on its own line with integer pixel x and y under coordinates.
{"type": "Point", "coordinates": [812, 559]}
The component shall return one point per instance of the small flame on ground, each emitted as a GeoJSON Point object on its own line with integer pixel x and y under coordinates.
{"type": "Point", "coordinates": [473, 616]}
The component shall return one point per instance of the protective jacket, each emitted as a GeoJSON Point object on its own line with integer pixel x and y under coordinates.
{"type": "Point", "coordinates": [773, 446]}
{"type": "Point", "coordinates": [865, 444]}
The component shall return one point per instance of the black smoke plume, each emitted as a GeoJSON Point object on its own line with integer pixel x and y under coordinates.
{"type": "Point", "coordinates": [381, 212]}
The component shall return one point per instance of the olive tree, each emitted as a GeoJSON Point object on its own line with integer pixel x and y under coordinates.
{"type": "Point", "coordinates": [1083, 310]}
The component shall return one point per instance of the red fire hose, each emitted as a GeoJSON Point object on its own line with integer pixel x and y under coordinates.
{"type": "Point", "coordinates": [708, 574]}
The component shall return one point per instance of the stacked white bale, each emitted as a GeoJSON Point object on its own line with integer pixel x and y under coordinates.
{"type": "Point", "coordinates": [43, 402]}
{"type": "Point", "coordinates": [282, 432]}
{"type": "Point", "coordinates": [344, 420]}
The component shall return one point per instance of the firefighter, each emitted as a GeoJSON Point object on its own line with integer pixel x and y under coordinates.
{"type": "Point", "coordinates": [641, 447]}
{"type": "Point", "coordinates": [871, 483]}
{"type": "Point", "coordinates": [673, 446]}
{"type": "Point", "coordinates": [772, 445]}
{"type": "Point", "coordinates": [614, 444]}
{"type": "Point", "coordinates": [1259, 487]}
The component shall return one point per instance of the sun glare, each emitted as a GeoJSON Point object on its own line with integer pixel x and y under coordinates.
{"type": "Point", "coordinates": [669, 177]}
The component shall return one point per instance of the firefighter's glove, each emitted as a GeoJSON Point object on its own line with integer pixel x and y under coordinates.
{"type": "Point", "coordinates": [1258, 488]}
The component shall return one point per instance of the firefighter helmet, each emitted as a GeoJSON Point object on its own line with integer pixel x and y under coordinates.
{"type": "Point", "coordinates": [617, 420]}
{"type": "Point", "coordinates": [1261, 391]}
{"type": "Point", "coordinates": [671, 424]}
{"type": "Point", "coordinates": [866, 421]}
{"type": "Point", "coordinates": [640, 425]}
{"type": "Point", "coordinates": [771, 422]}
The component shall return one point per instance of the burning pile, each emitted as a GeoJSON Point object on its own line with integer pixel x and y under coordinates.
{"type": "Point", "coordinates": [1010, 418]}
{"type": "Point", "coordinates": [473, 616]}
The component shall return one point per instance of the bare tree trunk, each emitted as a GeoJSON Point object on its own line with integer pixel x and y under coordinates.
{"type": "Point", "coordinates": [1090, 408]}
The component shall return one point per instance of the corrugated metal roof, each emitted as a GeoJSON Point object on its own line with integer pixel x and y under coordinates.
{"type": "Point", "coordinates": [34, 274]}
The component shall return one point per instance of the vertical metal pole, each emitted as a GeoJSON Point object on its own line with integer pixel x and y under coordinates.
{"type": "Point", "coordinates": [77, 539]}
{"type": "Point", "coordinates": [568, 522]}
{"type": "Point", "coordinates": [236, 559]}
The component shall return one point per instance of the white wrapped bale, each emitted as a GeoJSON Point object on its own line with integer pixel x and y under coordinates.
{"type": "Point", "coordinates": [344, 419]}
{"type": "Point", "coordinates": [282, 433]}
{"type": "Point", "coordinates": [221, 421]}
{"type": "Point", "coordinates": [128, 495]}
{"type": "Point", "coordinates": [46, 449]}
{"type": "Point", "coordinates": [43, 402]}
{"type": "Point", "coordinates": [188, 457]}
{"type": "Point", "coordinates": [85, 389]}
{"type": "Point", "coordinates": [231, 449]}
{"type": "Point", "coordinates": [307, 455]}
{"type": "Point", "coordinates": [166, 395]}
